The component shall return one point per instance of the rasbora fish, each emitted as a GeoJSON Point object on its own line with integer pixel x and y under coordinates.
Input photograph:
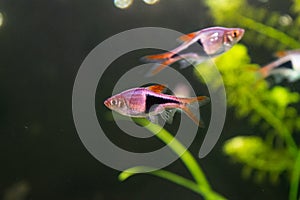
{"type": "Point", "coordinates": [197, 47]}
{"type": "Point", "coordinates": [149, 102]}
{"type": "Point", "coordinates": [287, 66]}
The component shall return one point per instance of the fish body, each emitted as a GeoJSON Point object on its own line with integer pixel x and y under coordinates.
{"type": "Point", "coordinates": [150, 101]}
{"type": "Point", "coordinates": [197, 47]}
{"type": "Point", "coordinates": [287, 66]}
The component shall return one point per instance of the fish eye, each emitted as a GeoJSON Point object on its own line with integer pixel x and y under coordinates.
{"type": "Point", "coordinates": [113, 102]}
{"type": "Point", "coordinates": [234, 34]}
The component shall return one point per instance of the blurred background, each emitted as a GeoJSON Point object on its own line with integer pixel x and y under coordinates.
{"type": "Point", "coordinates": [42, 45]}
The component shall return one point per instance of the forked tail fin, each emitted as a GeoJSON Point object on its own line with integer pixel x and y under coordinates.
{"type": "Point", "coordinates": [188, 105]}
{"type": "Point", "coordinates": [265, 70]}
{"type": "Point", "coordinates": [162, 60]}
{"type": "Point", "coordinates": [157, 57]}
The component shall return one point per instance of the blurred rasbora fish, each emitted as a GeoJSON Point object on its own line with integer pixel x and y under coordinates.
{"type": "Point", "coordinates": [149, 102]}
{"type": "Point", "coordinates": [197, 47]}
{"type": "Point", "coordinates": [287, 66]}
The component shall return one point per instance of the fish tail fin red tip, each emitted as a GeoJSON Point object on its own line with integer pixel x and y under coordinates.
{"type": "Point", "coordinates": [156, 69]}
{"type": "Point", "coordinates": [202, 100]}
{"type": "Point", "coordinates": [191, 115]}
{"type": "Point", "coordinates": [265, 71]}
{"type": "Point", "coordinates": [161, 65]}
{"type": "Point", "coordinates": [189, 106]}
{"type": "Point", "coordinates": [157, 57]}
{"type": "Point", "coordinates": [261, 72]}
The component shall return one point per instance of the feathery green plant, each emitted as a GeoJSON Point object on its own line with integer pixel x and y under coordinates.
{"type": "Point", "coordinates": [270, 108]}
{"type": "Point", "coordinates": [200, 185]}
{"type": "Point", "coordinates": [264, 27]}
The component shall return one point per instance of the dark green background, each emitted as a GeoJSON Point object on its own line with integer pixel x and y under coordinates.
{"type": "Point", "coordinates": [42, 45]}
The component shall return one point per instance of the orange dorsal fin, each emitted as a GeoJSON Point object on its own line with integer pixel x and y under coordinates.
{"type": "Point", "coordinates": [187, 37]}
{"type": "Point", "coordinates": [280, 54]}
{"type": "Point", "coordinates": [157, 88]}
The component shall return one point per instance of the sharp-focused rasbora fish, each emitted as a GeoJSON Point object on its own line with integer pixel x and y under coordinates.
{"type": "Point", "coordinates": [197, 47]}
{"type": "Point", "coordinates": [149, 102]}
{"type": "Point", "coordinates": [287, 66]}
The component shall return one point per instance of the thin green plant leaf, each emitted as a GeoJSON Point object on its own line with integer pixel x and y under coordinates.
{"type": "Point", "coordinates": [295, 179]}
{"type": "Point", "coordinates": [162, 174]}
{"type": "Point", "coordinates": [200, 186]}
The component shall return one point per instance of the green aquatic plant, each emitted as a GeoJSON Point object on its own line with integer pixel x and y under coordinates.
{"type": "Point", "coordinates": [273, 151]}
{"type": "Point", "coordinates": [199, 185]}
{"type": "Point", "coordinates": [264, 27]}
{"type": "Point", "coordinates": [296, 7]}
{"type": "Point", "coordinates": [255, 153]}
{"type": "Point", "coordinates": [271, 109]}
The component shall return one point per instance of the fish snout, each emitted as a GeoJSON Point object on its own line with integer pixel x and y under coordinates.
{"type": "Point", "coordinates": [107, 103]}
{"type": "Point", "coordinates": [240, 32]}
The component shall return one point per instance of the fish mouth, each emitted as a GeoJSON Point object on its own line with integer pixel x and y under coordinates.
{"type": "Point", "coordinates": [106, 103]}
{"type": "Point", "coordinates": [241, 32]}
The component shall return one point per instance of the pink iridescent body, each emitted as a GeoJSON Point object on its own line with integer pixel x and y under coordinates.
{"type": "Point", "coordinates": [148, 102]}
{"type": "Point", "coordinates": [287, 66]}
{"type": "Point", "coordinates": [197, 47]}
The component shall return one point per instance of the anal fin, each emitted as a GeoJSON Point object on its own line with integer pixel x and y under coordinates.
{"type": "Point", "coordinates": [153, 119]}
{"type": "Point", "coordinates": [168, 115]}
